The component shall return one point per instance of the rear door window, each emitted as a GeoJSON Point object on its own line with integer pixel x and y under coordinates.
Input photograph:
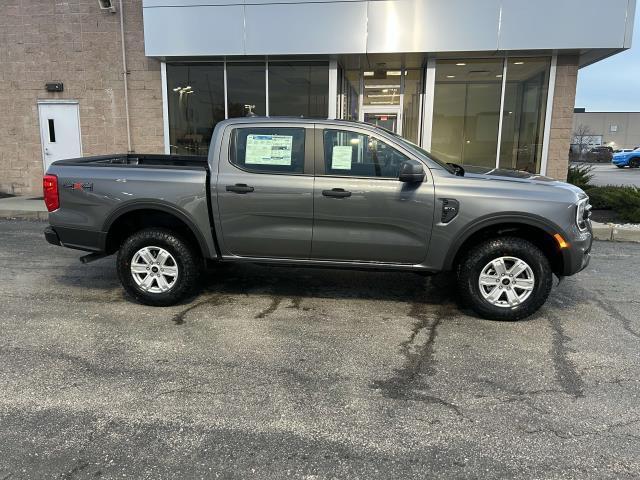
{"type": "Point", "coordinates": [268, 149]}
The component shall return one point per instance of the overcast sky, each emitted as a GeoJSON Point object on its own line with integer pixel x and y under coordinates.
{"type": "Point", "coordinates": [613, 84]}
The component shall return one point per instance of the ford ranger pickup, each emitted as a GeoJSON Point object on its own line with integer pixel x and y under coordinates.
{"type": "Point", "coordinates": [326, 193]}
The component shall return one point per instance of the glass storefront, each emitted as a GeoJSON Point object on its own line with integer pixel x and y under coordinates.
{"type": "Point", "coordinates": [411, 105]}
{"type": "Point", "coordinates": [196, 103]}
{"type": "Point", "coordinates": [298, 89]}
{"type": "Point", "coordinates": [466, 111]}
{"type": "Point", "coordinates": [525, 102]}
{"type": "Point", "coordinates": [474, 121]}
{"type": "Point", "coordinates": [246, 93]}
{"type": "Point", "coordinates": [196, 96]}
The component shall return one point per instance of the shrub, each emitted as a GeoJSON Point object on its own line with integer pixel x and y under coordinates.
{"type": "Point", "coordinates": [580, 175]}
{"type": "Point", "coordinates": [625, 201]}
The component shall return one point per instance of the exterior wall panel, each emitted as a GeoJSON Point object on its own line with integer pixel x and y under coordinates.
{"type": "Point", "coordinates": [432, 26]}
{"type": "Point", "coordinates": [553, 24]}
{"type": "Point", "coordinates": [191, 31]}
{"type": "Point", "coordinates": [306, 28]}
{"type": "Point", "coordinates": [248, 27]}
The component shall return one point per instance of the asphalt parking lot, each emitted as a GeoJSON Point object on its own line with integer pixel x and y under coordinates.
{"type": "Point", "coordinates": [314, 374]}
{"type": "Point", "coordinates": [608, 174]}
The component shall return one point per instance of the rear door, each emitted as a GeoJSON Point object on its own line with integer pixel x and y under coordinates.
{"type": "Point", "coordinates": [265, 190]}
{"type": "Point", "coordinates": [362, 212]}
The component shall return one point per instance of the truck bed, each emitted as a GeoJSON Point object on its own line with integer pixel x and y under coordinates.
{"type": "Point", "coordinates": [138, 160]}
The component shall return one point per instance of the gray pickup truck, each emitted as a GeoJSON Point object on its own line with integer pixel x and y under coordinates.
{"type": "Point", "coordinates": [325, 193]}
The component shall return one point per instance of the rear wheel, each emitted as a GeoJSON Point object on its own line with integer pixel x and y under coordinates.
{"type": "Point", "coordinates": [157, 267]}
{"type": "Point", "coordinates": [634, 163]}
{"type": "Point", "coordinates": [620, 166]}
{"type": "Point", "coordinates": [506, 278]}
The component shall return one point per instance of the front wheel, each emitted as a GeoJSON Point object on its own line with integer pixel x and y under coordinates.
{"type": "Point", "coordinates": [634, 163]}
{"type": "Point", "coordinates": [620, 166]}
{"type": "Point", "coordinates": [157, 267]}
{"type": "Point", "coordinates": [506, 278]}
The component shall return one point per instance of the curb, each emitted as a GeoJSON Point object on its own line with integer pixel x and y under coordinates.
{"type": "Point", "coordinates": [615, 233]}
{"type": "Point", "coordinates": [23, 215]}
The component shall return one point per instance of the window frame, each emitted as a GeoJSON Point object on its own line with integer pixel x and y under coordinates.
{"type": "Point", "coordinates": [320, 164]}
{"type": "Point", "coordinates": [309, 150]}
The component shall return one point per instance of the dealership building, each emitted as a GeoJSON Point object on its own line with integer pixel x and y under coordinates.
{"type": "Point", "coordinates": [488, 82]}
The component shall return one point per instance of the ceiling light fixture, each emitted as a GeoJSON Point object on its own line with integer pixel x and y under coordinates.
{"type": "Point", "coordinates": [518, 63]}
{"type": "Point", "coordinates": [461, 64]}
{"type": "Point", "coordinates": [451, 76]}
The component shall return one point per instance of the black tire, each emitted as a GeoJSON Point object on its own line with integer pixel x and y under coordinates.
{"type": "Point", "coordinates": [186, 258]}
{"type": "Point", "coordinates": [471, 265]}
{"type": "Point", "coordinates": [620, 166]}
{"type": "Point", "coordinates": [634, 163]}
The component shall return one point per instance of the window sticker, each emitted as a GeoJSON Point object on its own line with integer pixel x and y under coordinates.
{"type": "Point", "coordinates": [341, 157]}
{"type": "Point", "coordinates": [268, 149]}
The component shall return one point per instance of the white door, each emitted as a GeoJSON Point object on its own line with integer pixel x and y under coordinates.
{"type": "Point", "coordinates": [59, 131]}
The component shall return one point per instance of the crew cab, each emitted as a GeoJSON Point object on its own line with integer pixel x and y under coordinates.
{"type": "Point", "coordinates": [325, 193]}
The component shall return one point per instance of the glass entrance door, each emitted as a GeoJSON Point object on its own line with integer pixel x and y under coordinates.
{"type": "Point", "coordinates": [388, 118]}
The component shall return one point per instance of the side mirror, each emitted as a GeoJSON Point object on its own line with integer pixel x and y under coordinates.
{"type": "Point", "coordinates": [411, 171]}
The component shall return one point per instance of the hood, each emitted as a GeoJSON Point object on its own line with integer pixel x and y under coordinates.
{"type": "Point", "coordinates": [519, 176]}
{"type": "Point", "coordinates": [505, 174]}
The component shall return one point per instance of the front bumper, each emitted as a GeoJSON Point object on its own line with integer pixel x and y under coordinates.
{"type": "Point", "coordinates": [578, 255]}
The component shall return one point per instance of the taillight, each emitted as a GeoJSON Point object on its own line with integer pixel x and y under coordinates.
{"type": "Point", "coordinates": [50, 190]}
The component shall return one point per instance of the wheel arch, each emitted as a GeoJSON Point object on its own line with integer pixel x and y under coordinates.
{"type": "Point", "coordinates": [538, 230]}
{"type": "Point", "coordinates": [136, 216]}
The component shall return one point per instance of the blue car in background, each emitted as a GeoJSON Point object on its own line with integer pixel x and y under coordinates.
{"type": "Point", "coordinates": [627, 158]}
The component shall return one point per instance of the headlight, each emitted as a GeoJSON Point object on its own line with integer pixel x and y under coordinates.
{"type": "Point", "coordinates": [583, 213]}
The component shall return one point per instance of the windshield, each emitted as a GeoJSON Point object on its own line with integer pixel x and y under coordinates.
{"type": "Point", "coordinates": [421, 151]}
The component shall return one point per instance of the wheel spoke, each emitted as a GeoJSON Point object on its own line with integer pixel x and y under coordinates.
{"type": "Point", "coordinates": [139, 268]}
{"type": "Point", "coordinates": [488, 279]}
{"type": "Point", "coordinates": [147, 282]}
{"type": "Point", "coordinates": [524, 284]}
{"type": "Point", "coordinates": [512, 297]}
{"type": "Point", "coordinates": [172, 271]}
{"type": "Point", "coordinates": [499, 266]}
{"type": "Point", "coordinates": [518, 268]}
{"type": "Point", "coordinates": [494, 295]}
{"type": "Point", "coordinates": [162, 257]}
{"type": "Point", "coordinates": [146, 255]}
{"type": "Point", "coordinates": [162, 283]}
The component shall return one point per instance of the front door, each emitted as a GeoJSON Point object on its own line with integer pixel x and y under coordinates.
{"type": "Point", "coordinates": [265, 191]}
{"type": "Point", "coordinates": [59, 131]}
{"type": "Point", "coordinates": [388, 117]}
{"type": "Point", "coordinates": [362, 212]}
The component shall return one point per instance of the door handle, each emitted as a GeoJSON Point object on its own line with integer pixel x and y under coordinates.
{"type": "Point", "coordinates": [336, 193]}
{"type": "Point", "coordinates": [240, 188]}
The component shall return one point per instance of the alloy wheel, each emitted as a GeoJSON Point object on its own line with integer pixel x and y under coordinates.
{"type": "Point", "coordinates": [154, 269]}
{"type": "Point", "coordinates": [506, 281]}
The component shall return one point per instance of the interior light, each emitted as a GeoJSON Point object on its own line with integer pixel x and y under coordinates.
{"type": "Point", "coordinates": [176, 89]}
{"type": "Point", "coordinates": [385, 90]}
{"type": "Point", "coordinates": [355, 141]}
{"type": "Point", "coordinates": [382, 86]}
{"type": "Point", "coordinates": [518, 63]}
{"type": "Point", "coordinates": [461, 64]}
{"type": "Point", "coordinates": [381, 95]}
{"type": "Point", "coordinates": [394, 72]}
{"type": "Point", "coordinates": [451, 76]}
{"type": "Point", "coordinates": [381, 103]}
{"type": "Point", "coordinates": [368, 74]}
{"type": "Point", "coordinates": [499, 76]}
